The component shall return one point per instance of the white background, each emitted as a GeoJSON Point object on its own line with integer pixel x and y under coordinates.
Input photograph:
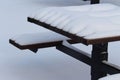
{"type": "Point", "coordinates": [48, 63]}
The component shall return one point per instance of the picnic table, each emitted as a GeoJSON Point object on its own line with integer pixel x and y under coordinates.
{"type": "Point", "coordinates": [95, 25]}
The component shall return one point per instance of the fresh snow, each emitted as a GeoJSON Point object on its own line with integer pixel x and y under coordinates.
{"type": "Point", "coordinates": [36, 38]}
{"type": "Point", "coordinates": [88, 21]}
{"type": "Point", "coordinates": [49, 63]}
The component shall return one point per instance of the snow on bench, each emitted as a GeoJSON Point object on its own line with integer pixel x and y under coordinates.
{"type": "Point", "coordinates": [95, 23]}
{"type": "Point", "coordinates": [111, 77]}
{"type": "Point", "coordinates": [34, 41]}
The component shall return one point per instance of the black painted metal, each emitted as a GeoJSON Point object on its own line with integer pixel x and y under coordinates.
{"type": "Point", "coordinates": [99, 53]}
{"type": "Point", "coordinates": [75, 53]}
{"type": "Point", "coordinates": [110, 68]}
{"type": "Point", "coordinates": [98, 62]}
{"type": "Point", "coordinates": [95, 1]}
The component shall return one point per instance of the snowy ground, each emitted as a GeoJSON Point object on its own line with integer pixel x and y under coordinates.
{"type": "Point", "coordinates": [48, 64]}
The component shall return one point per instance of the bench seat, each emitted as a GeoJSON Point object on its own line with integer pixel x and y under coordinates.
{"type": "Point", "coordinates": [38, 40]}
{"type": "Point", "coordinates": [91, 24]}
{"type": "Point", "coordinates": [111, 77]}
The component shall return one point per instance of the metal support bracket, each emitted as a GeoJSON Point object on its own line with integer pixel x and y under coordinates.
{"type": "Point", "coordinates": [74, 52]}
{"type": "Point", "coordinates": [95, 1]}
{"type": "Point", "coordinates": [34, 50]}
{"type": "Point", "coordinates": [100, 67]}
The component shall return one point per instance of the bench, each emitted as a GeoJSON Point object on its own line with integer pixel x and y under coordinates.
{"type": "Point", "coordinates": [95, 25]}
{"type": "Point", "coordinates": [34, 41]}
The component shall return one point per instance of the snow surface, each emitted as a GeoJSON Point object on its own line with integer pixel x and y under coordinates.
{"type": "Point", "coordinates": [88, 21]}
{"type": "Point", "coordinates": [50, 64]}
{"type": "Point", "coordinates": [111, 77]}
{"type": "Point", "coordinates": [35, 38]}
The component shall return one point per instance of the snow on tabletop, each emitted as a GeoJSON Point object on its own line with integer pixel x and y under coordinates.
{"type": "Point", "coordinates": [111, 77]}
{"type": "Point", "coordinates": [88, 21]}
{"type": "Point", "coordinates": [34, 38]}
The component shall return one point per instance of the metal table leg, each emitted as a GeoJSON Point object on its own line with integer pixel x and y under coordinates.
{"type": "Point", "coordinates": [99, 54]}
{"type": "Point", "coordinates": [98, 61]}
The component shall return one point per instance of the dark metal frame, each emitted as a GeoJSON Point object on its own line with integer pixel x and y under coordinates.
{"type": "Point", "coordinates": [93, 1]}
{"type": "Point", "coordinates": [100, 67]}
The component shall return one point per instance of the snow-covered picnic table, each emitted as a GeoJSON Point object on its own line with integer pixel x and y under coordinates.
{"type": "Point", "coordinates": [96, 24]}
